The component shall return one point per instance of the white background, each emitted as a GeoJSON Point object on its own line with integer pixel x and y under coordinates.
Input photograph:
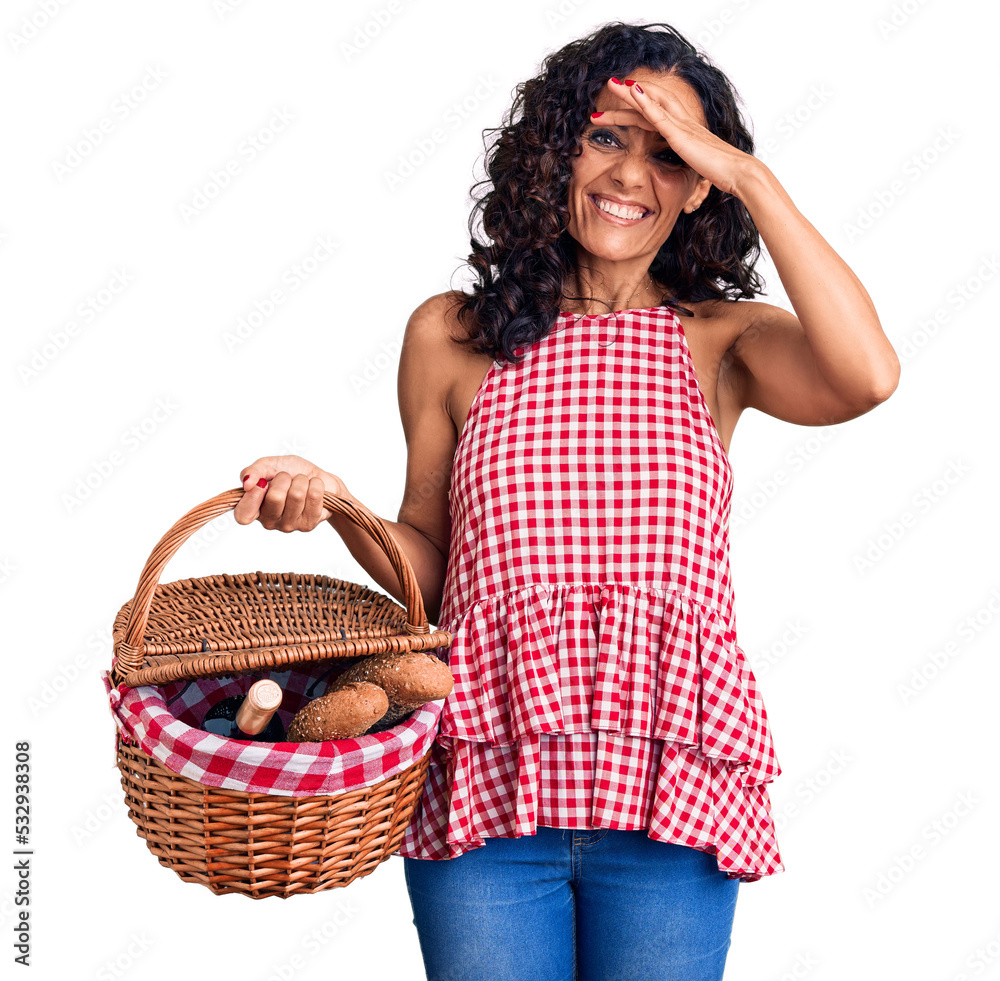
{"type": "Point", "coordinates": [879, 676]}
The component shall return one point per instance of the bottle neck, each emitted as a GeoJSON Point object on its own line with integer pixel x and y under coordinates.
{"type": "Point", "coordinates": [258, 708]}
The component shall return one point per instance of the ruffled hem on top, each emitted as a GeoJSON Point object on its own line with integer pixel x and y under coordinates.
{"type": "Point", "coordinates": [674, 794]}
{"type": "Point", "coordinates": [645, 687]}
{"type": "Point", "coordinates": [618, 658]}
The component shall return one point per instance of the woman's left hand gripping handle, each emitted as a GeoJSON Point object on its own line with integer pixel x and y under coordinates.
{"type": "Point", "coordinates": [285, 493]}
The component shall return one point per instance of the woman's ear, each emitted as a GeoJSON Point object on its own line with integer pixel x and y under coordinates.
{"type": "Point", "coordinates": [698, 195]}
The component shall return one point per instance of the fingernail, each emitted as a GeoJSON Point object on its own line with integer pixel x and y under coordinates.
{"type": "Point", "coordinates": [630, 81]}
{"type": "Point", "coordinates": [617, 81]}
{"type": "Point", "coordinates": [246, 478]}
{"type": "Point", "coordinates": [594, 115]}
{"type": "Point", "coordinates": [638, 87]}
{"type": "Point", "coordinates": [262, 482]}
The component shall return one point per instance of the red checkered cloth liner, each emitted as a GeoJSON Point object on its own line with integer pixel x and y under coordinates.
{"type": "Point", "coordinates": [163, 721]}
{"type": "Point", "coordinates": [598, 681]}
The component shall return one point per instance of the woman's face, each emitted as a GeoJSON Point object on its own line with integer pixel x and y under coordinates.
{"type": "Point", "coordinates": [635, 167]}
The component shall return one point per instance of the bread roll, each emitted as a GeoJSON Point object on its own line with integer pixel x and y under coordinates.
{"type": "Point", "coordinates": [342, 713]}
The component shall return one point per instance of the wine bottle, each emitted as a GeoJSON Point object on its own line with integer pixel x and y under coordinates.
{"type": "Point", "coordinates": [254, 717]}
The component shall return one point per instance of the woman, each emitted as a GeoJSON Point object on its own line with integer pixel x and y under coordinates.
{"type": "Point", "coordinates": [598, 788]}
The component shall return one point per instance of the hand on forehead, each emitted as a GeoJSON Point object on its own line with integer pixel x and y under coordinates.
{"type": "Point", "coordinates": [612, 98]}
{"type": "Point", "coordinates": [663, 88]}
{"type": "Point", "coordinates": [613, 115]}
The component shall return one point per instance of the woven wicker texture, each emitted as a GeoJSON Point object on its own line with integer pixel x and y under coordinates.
{"type": "Point", "coordinates": [261, 845]}
{"type": "Point", "coordinates": [220, 625]}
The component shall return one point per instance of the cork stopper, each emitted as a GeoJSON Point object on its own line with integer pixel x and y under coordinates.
{"type": "Point", "coordinates": [258, 707]}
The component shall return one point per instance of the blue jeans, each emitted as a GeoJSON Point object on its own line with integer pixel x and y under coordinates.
{"type": "Point", "coordinates": [567, 905]}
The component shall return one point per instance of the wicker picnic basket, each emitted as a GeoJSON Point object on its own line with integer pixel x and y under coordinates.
{"type": "Point", "coordinates": [220, 629]}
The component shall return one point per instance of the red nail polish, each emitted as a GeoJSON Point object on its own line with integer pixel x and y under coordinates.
{"type": "Point", "coordinates": [638, 87]}
{"type": "Point", "coordinates": [617, 81]}
{"type": "Point", "coordinates": [630, 81]}
{"type": "Point", "coordinates": [246, 478]}
{"type": "Point", "coordinates": [594, 115]}
{"type": "Point", "coordinates": [262, 482]}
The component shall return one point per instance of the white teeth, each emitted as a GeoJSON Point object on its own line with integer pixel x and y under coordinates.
{"type": "Point", "coordinates": [618, 210]}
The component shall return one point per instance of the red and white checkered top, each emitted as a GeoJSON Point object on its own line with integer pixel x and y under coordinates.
{"type": "Point", "coordinates": [598, 682]}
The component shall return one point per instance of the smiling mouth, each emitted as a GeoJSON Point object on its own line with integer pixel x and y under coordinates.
{"type": "Point", "coordinates": [618, 212]}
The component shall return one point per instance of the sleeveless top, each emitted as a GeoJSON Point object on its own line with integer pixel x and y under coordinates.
{"type": "Point", "coordinates": [598, 681]}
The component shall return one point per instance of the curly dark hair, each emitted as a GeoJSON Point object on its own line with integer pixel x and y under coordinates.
{"type": "Point", "coordinates": [709, 255]}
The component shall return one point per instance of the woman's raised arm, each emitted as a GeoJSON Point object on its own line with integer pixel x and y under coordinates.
{"type": "Point", "coordinates": [829, 361]}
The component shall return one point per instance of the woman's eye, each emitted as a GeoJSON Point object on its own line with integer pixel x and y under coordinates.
{"type": "Point", "coordinates": [598, 134]}
{"type": "Point", "coordinates": [671, 158]}
{"type": "Point", "coordinates": [605, 138]}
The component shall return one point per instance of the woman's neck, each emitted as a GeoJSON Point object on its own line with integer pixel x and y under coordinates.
{"type": "Point", "coordinates": [628, 296]}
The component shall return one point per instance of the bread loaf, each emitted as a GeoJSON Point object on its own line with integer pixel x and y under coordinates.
{"type": "Point", "coordinates": [347, 710]}
{"type": "Point", "coordinates": [380, 688]}
{"type": "Point", "coordinates": [409, 679]}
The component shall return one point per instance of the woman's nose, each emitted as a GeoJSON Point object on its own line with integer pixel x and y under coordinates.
{"type": "Point", "coordinates": [630, 169]}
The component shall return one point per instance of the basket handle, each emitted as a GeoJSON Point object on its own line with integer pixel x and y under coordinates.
{"type": "Point", "coordinates": [131, 650]}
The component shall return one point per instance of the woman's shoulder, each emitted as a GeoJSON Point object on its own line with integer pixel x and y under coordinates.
{"type": "Point", "coordinates": [721, 323]}
{"type": "Point", "coordinates": [736, 315]}
{"type": "Point", "coordinates": [428, 360]}
{"type": "Point", "coordinates": [435, 359]}
{"type": "Point", "coordinates": [437, 339]}
{"type": "Point", "coordinates": [436, 320]}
